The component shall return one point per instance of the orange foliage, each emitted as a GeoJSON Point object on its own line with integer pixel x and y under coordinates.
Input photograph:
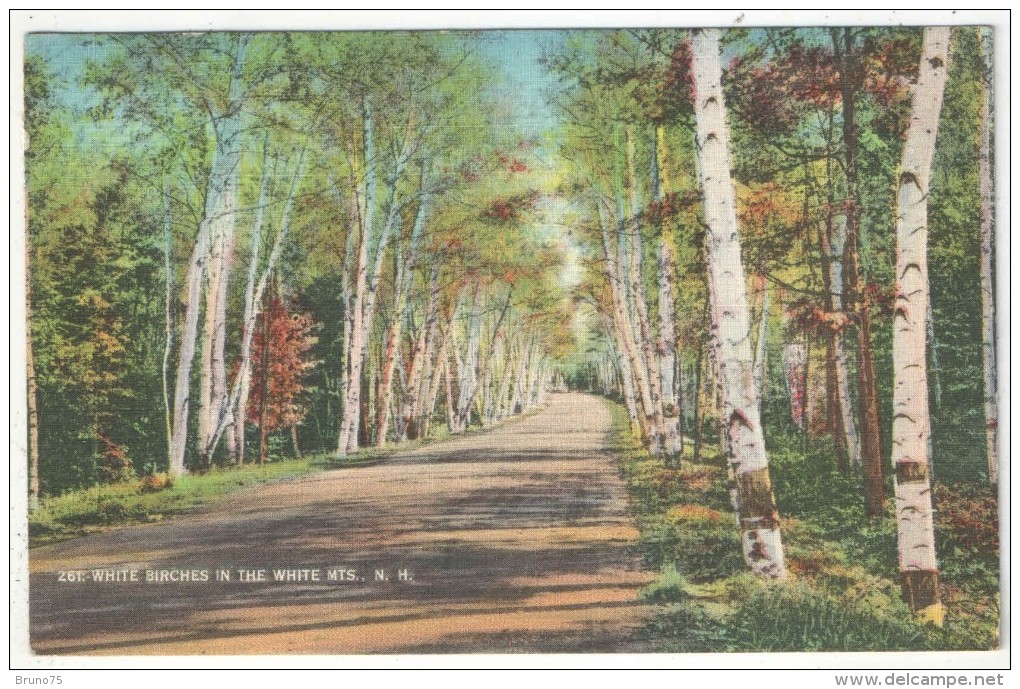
{"type": "Point", "coordinates": [290, 341]}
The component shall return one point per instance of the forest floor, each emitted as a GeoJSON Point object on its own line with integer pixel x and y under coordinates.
{"type": "Point", "coordinates": [517, 539]}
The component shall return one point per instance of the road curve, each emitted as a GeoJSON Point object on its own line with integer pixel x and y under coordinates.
{"type": "Point", "coordinates": [517, 539]}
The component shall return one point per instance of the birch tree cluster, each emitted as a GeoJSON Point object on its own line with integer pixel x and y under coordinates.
{"type": "Point", "coordinates": [244, 245]}
{"type": "Point", "coordinates": [755, 210]}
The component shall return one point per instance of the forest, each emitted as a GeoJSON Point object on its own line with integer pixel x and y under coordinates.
{"type": "Point", "coordinates": [771, 249]}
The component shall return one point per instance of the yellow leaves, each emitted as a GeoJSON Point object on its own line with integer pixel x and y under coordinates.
{"type": "Point", "coordinates": [933, 614]}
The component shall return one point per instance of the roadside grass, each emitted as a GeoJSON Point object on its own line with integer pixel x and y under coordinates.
{"type": "Point", "coordinates": [843, 592]}
{"type": "Point", "coordinates": [150, 498]}
{"type": "Point", "coordinates": [157, 497]}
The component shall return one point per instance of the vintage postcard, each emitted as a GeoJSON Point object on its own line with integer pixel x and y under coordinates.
{"type": "Point", "coordinates": [663, 338]}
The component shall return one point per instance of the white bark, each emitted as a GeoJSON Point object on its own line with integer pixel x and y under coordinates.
{"type": "Point", "coordinates": [418, 376]}
{"type": "Point", "coordinates": [672, 404]}
{"type": "Point", "coordinates": [223, 191]}
{"type": "Point", "coordinates": [846, 406]}
{"type": "Point", "coordinates": [613, 254]}
{"type": "Point", "coordinates": [987, 220]}
{"type": "Point", "coordinates": [233, 415]}
{"type": "Point", "coordinates": [911, 421]}
{"type": "Point", "coordinates": [405, 273]}
{"type": "Point", "coordinates": [169, 319]}
{"type": "Point", "coordinates": [369, 270]}
{"type": "Point", "coordinates": [639, 298]}
{"type": "Point", "coordinates": [759, 520]}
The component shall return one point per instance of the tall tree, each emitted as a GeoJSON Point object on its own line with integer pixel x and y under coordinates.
{"type": "Point", "coordinates": [745, 446]}
{"type": "Point", "coordinates": [911, 418]}
{"type": "Point", "coordinates": [987, 221]}
{"type": "Point", "coordinates": [858, 301]}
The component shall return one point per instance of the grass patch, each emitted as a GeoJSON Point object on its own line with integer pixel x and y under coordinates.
{"type": "Point", "coordinates": [843, 593]}
{"type": "Point", "coordinates": [149, 499]}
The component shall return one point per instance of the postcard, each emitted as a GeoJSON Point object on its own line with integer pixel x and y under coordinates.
{"type": "Point", "coordinates": [663, 338]}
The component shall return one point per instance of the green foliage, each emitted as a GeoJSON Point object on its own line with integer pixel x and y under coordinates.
{"type": "Point", "coordinates": [795, 617]}
{"type": "Point", "coordinates": [844, 591]}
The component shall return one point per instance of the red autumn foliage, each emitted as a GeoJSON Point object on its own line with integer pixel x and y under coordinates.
{"type": "Point", "coordinates": [290, 341]}
{"type": "Point", "coordinates": [671, 205]}
{"type": "Point", "coordinates": [673, 97]}
{"type": "Point", "coordinates": [773, 97]}
{"type": "Point", "coordinates": [510, 209]}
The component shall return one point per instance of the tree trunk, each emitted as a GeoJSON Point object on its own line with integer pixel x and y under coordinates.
{"type": "Point", "coordinates": [368, 276]}
{"type": "Point", "coordinates": [417, 375]}
{"type": "Point", "coordinates": [355, 345]}
{"type": "Point", "coordinates": [186, 356]}
{"type": "Point", "coordinates": [264, 382]}
{"type": "Point", "coordinates": [613, 254]}
{"type": "Point", "coordinates": [33, 408]}
{"type": "Point", "coordinates": [858, 302]}
{"type": "Point", "coordinates": [760, 350]}
{"type": "Point", "coordinates": [911, 421]}
{"type": "Point", "coordinates": [758, 517]}
{"type": "Point", "coordinates": [213, 392]}
{"type": "Point", "coordinates": [405, 272]}
{"type": "Point", "coordinates": [672, 403]}
{"type": "Point", "coordinates": [251, 301]}
{"type": "Point", "coordinates": [639, 296]}
{"type": "Point", "coordinates": [794, 363]}
{"type": "Point", "coordinates": [987, 221]}
{"type": "Point", "coordinates": [169, 320]}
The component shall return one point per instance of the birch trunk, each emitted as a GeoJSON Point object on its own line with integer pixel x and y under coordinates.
{"type": "Point", "coordinates": [243, 382]}
{"type": "Point", "coordinates": [672, 404]}
{"type": "Point", "coordinates": [232, 417]}
{"type": "Point", "coordinates": [987, 221]}
{"type": "Point", "coordinates": [760, 350]}
{"type": "Point", "coordinates": [832, 248]}
{"type": "Point", "coordinates": [758, 517]}
{"type": "Point", "coordinates": [640, 302]}
{"type": "Point", "coordinates": [168, 319]}
{"type": "Point", "coordinates": [439, 367]}
{"type": "Point", "coordinates": [911, 421]}
{"type": "Point", "coordinates": [613, 255]}
{"type": "Point", "coordinates": [417, 375]}
{"type": "Point", "coordinates": [224, 189]}
{"type": "Point", "coordinates": [355, 344]}
{"type": "Point", "coordinates": [405, 271]}
{"type": "Point", "coordinates": [367, 284]}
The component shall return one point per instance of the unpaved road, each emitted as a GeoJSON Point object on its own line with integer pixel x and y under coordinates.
{"type": "Point", "coordinates": [517, 539]}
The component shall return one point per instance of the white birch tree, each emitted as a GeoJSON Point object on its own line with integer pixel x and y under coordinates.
{"type": "Point", "coordinates": [745, 446]}
{"type": "Point", "coordinates": [911, 419]}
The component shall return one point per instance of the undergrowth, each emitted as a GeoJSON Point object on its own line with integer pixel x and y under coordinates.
{"type": "Point", "coordinates": [843, 592]}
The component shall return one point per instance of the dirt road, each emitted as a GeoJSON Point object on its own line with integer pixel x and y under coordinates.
{"type": "Point", "coordinates": [517, 539]}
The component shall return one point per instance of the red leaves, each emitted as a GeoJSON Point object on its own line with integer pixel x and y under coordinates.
{"type": "Point", "coordinates": [672, 204]}
{"type": "Point", "coordinates": [510, 209]}
{"type": "Point", "coordinates": [290, 341]}
{"type": "Point", "coordinates": [676, 93]}
{"type": "Point", "coordinates": [805, 315]}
